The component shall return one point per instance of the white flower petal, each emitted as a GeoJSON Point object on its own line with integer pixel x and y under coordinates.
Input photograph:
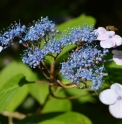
{"type": "Point", "coordinates": [102, 37]}
{"type": "Point", "coordinates": [1, 48]}
{"type": "Point", "coordinates": [106, 35]}
{"type": "Point", "coordinates": [116, 109]}
{"type": "Point", "coordinates": [117, 52]}
{"type": "Point", "coordinates": [117, 88]}
{"type": "Point", "coordinates": [107, 43]}
{"type": "Point", "coordinates": [117, 59]}
{"type": "Point", "coordinates": [117, 39]}
{"type": "Point", "coordinates": [108, 97]}
{"type": "Point", "coordinates": [100, 30]}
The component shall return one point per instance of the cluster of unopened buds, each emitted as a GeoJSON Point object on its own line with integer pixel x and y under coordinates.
{"type": "Point", "coordinates": [84, 63]}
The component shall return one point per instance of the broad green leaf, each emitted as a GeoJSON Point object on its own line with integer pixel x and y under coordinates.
{"type": "Point", "coordinates": [57, 118]}
{"type": "Point", "coordinates": [40, 118]}
{"type": "Point", "coordinates": [12, 70]}
{"type": "Point", "coordinates": [64, 53]}
{"type": "Point", "coordinates": [73, 118]}
{"type": "Point", "coordinates": [111, 64]}
{"type": "Point", "coordinates": [84, 95]}
{"type": "Point", "coordinates": [114, 72]}
{"type": "Point", "coordinates": [114, 65]}
{"type": "Point", "coordinates": [58, 105]}
{"type": "Point", "coordinates": [15, 68]}
{"type": "Point", "coordinates": [39, 92]}
{"type": "Point", "coordinates": [9, 91]}
{"type": "Point", "coordinates": [52, 122]}
{"type": "Point", "coordinates": [79, 21]}
{"type": "Point", "coordinates": [18, 99]}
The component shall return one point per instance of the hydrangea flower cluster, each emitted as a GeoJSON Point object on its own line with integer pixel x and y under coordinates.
{"type": "Point", "coordinates": [32, 57]}
{"type": "Point", "coordinates": [85, 65]}
{"type": "Point", "coordinates": [39, 29]}
{"type": "Point", "coordinates": [53, 45]}
{"type": "Point", "coordinates": [84, 34]}
{"type": "Point", "coordinates": [7, 38]}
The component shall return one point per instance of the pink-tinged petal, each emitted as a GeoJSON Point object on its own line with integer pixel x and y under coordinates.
{"type": "Point", "coordinates": [102, 37]}
{"type": "Point", "coordinates": [117, 88]}
{"type": "Point", "coordinates": [100, 30]}
{"type": "Point", "coordinates": [117, 59]}
{"type": "Point", "coordinates": [112, 33]}
{"type": "Point", "coordinates": [117, 39]}
{"type": "Point", "coordinates": [117, 52]}
{"type": "Point", "coordinates": [108, 97]}
{"type": "Point", "coordinates": [107, 43]}
{"type": "Point", "coordinates": [116, 109]}
{"type": "Point", "coordinates": [106, 35]}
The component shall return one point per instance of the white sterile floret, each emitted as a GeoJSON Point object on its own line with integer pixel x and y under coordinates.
{"type": "Point", "coordinates": [108, 39]}
{"type": "Point", "coordinates": [100, 30]}
{"type": "Point", "coordinates": [113, 98]}
{"type": "Point", "coordinates": [117, 57]}
{"type": "Point", "coordinates": [1, 48]}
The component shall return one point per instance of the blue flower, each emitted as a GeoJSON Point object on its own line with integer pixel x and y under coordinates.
{"type": "Point", "coordinates": [40, 29]}
{"type": "Point", "coordinates": [85, 34]}
{"type": "Point", "coordinates": [7, 38]}
{"type": "Point", "coordinates": [85, 64]}
{"type": "Point", "coordinates": [32, 57]}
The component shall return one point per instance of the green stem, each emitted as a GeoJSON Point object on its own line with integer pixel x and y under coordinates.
{"type": "Point", "coordinates": [70, 97]}
{"type": "Point", "coordinates": [43, 72]}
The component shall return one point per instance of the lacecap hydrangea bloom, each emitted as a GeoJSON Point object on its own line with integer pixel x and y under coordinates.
{"type": "Point", "coordinates": [86, 61]}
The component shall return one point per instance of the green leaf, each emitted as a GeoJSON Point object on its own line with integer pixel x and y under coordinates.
{"type": "Point", "coordinates": [113, 65]}
{"type": "Point", "coordinates": [39, 92]}
{"type": "Point", "coordinates": [64, 53]}
{"type": "Point", "coordinates": [18, 99]}
{"type": "Point", "coordinates": [15, 68]}
{"type": "Point", "coordinates": [10, 71]}
{"type": "Point", "coordinates": [9, 91]}
{"type": "Point", "coordinates": [114, 72]}
{"type": "Point", "coordinates": [57, 118]}
{"type": "Point", "coordinates": [56, 105]}
{"type": "Point", "coordinates": [51, 122]}
{"type": "Point", "coordinates": [85, 95]}
{"type": "Point", "coordinates": [82, 19]}
{"type": "Point", "coordinates": [73, 118]}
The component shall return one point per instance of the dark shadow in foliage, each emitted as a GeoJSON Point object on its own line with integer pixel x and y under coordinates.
{"type": "Point", "coordinates": [36, 119]}
{"type": "Point", "coordinates": [23, 81]}
{"type": "Point", "coordinates": [114, 76]}
{"type": "Point", "coordinates": [3, 119]}
{"type": "Point", "coordinates": [30, 108]}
